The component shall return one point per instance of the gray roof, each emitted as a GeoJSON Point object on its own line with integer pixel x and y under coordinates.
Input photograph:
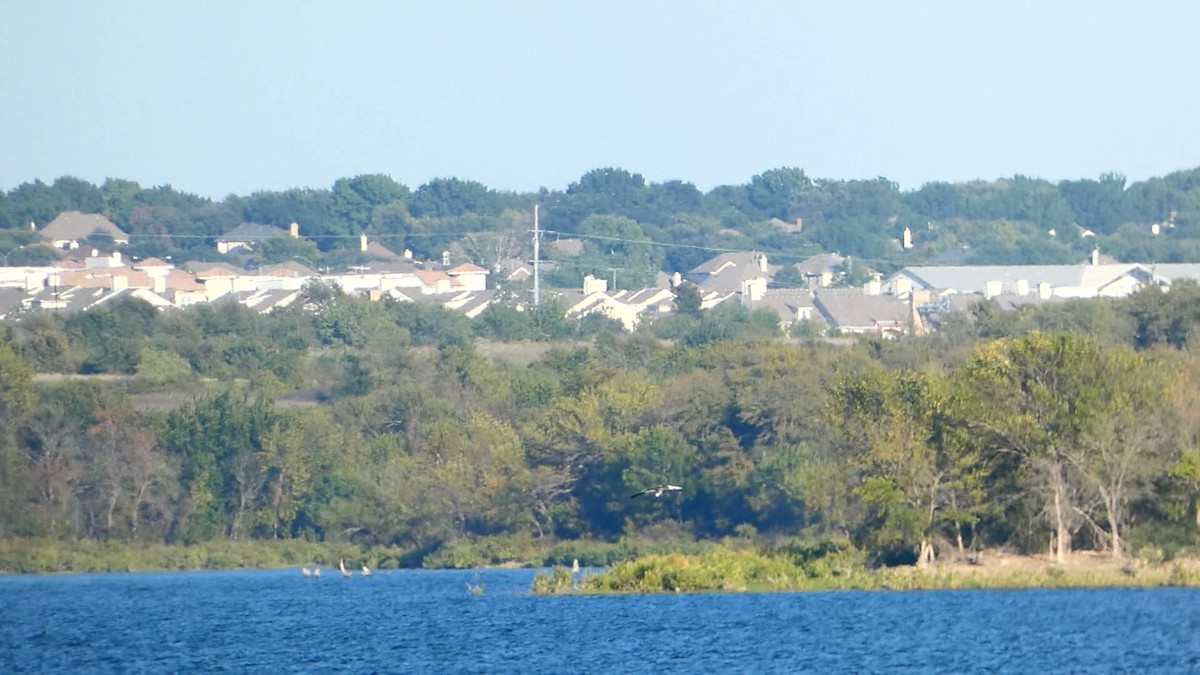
{"type": "Point", "coordinates": [787, 303]}
{"type": "Point", "coordinates": [568, 246]}
{"type": "Point", "coordinates": [820, 263]}
{"type": "Point", "coordinates": [1173, 272]}
{"type": "Point", "coordinates": [739, 258]}
{"type": "Point", "coordinates": [74, 225]}
{"type": "Point", "coordinates": [253, 232]}
{"type": "Point", "coordinates": [73, 298]}
{"type": "Point", "coordinates": [10, 301]}
{"type": "Point", "coordinates": [727, 271]}
{"type": "Point", "coordinates": [974, 278]}
{"type": "Point", "coordinates": [482, 298]}
{"type": "Point", "coordinates": [852, 309]}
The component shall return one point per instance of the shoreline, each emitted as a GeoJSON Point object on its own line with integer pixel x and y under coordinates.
{"type": "Point", "coordinates": [745, 571]}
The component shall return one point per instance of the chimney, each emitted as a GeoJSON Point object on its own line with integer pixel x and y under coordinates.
{"type": "Point", "coordinates": [294, 230]}
{"type": "Point", "coordinates": [753, 290]}
{"type": "Point", "coordinates": [1022, 287]}
{"type": "Point", "coordinates": [992, 288]}
{"type": "Point", "coordinates": [762, 263]}
{"type": "Point", "coordinates": [32, 226]}
{"type": "Point", "coordinates": [160, 284]}
{"type": "Point", "coordinates": [119, 282]}
{"type": "Point", "coordinates": [446, 258]}
{"type": "Point", "coordinates": [408, 254]}
{"type": "Point", "coordinates": [1096, 256]}
{"type": "Point", "coordinates": [914, 316]}
{"type": "Point", "coordinates": [1045, 291]}
{"type": "Point", "coordinates": [676, 280]}
{"type": "Point", "coordinates": [907, 239]}
{"type": "Point", "coordinates": [362, 241]}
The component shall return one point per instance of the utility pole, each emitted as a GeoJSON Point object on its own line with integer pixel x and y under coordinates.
{"type": "Point", "coordinates": [537, 280]}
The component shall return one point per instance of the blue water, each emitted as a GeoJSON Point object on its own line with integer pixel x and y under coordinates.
{"type": "Point", "coordinates": [428, 622]}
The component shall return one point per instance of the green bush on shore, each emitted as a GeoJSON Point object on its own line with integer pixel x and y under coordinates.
{"type": "Point", "coordinates": [792, 569]}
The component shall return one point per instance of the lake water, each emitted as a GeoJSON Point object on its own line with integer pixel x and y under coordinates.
{"type": "Point", "coordinates": [428, 622]}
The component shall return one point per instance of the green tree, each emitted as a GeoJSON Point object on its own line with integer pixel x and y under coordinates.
{"type": "Point", "coordinates": [1038, 398]}
{"type": "Point", "coordinates": [688, 299]}
{"type": "Point", "coordinates": [912, 454]}
{"type": "Point", "coordinates": [16, 399]}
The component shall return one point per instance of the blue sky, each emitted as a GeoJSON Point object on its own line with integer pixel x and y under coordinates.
{"type": "Point", "coordinates": [222, 97]}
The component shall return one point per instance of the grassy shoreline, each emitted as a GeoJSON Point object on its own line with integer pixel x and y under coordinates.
{"type": "Point", "coordinates": [726, 570]}
{"type": "Point", "coordinates": [41, 556]}
{"type": "Point", "coordinates": [716, 568]}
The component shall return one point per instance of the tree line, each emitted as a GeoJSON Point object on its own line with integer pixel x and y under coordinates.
{"type": "Point", "coordinates": [1071, 425]}
{"type": "Point", "coordinates": [640, 227]}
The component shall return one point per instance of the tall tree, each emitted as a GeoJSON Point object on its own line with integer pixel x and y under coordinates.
{"type": "Point", "coordinates": [913, 457]}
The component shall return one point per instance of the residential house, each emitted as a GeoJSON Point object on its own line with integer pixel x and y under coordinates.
{"type": "Point", "coordinates": [727, 271]}
{"type": "Point", "coordinates": [625, 306]}
{"type": "Point", "coordinates": [249, 235]}
{"type": "Point", "coordinates": [264, 300]}
{"type": "Point", "coordinates": [468, 276]}
{"type": "Point", "coordinates": [1166, 274]}
{"type": "Point", "coordinates": [475, 305]}
{"type": "Point", "coordinates": [571, 247]}
{"type": "Point", "coordinates": [70, 228]}
{"type": "Point", "coordinates": [153, 267]}
{"type": "Point", "coordinates": [793, 305]}
{"type": "Point", "coordinates": [1046, 281]}
{"type": "Point", "coordinates": [377, 250]}
{"type": "Point", "coordinates": [854, 311]}
{"type": "Point", "coordinates": [821, 268]}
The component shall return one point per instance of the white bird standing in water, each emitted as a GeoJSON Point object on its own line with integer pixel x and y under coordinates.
{"type": "Point", "coordinates": [342, 567]}
{"type": "Point", "coordinates": [366, 571]}
{"type": "Point", "coordinates": [305, 571]}
{"type": "Point", "coordinates": [317, 572]}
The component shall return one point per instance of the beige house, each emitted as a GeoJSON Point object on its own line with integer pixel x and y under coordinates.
{"type": "Point", "coordinates": [469, 277]}
{"type": "Point", "coordinates": [70, 228]}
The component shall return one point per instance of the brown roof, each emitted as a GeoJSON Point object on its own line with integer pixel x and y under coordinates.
{"type": "Point", "coordinates": [466, 268]}
{"type": "Point", "coordinates": [150, 262]}
{"type": "Point", "coordinates": [214, 273]}
{"type": "Point", "coordinates": [431, 277]}
{"type": "Point", "coordinates": [179, 280]}
{"type": "Point", "coordinates": [104, 278]}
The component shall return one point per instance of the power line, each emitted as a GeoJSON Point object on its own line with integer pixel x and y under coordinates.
{"type": "Point", "coordinates": [570, 235]}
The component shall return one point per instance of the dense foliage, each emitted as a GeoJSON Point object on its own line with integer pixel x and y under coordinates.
{"type": "Point", "coordinates": [400, 426]}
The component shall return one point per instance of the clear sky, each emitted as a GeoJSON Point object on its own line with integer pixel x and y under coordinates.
{"type": "Point", "coordinates": [220, 97]}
